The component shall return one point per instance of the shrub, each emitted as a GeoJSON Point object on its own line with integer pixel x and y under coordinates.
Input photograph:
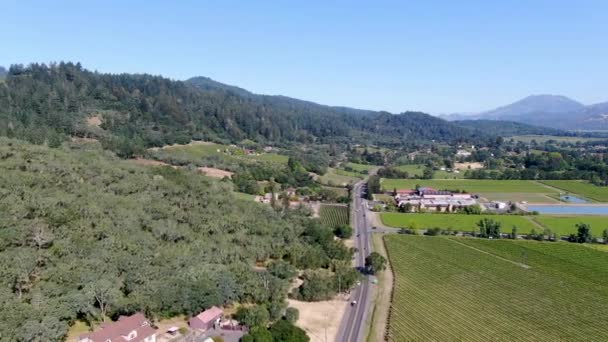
{"type": "Point", "coordinates": [292, 315]}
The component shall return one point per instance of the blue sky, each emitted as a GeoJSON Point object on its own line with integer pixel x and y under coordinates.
{"type": "Point", "coordinates": [433, 56]}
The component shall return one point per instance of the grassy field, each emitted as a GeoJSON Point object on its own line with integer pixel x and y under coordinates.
{"type": "Point", "coordinates": [563, 225]}
{"type": "Point", "coordinates": [384, 198]}
{"type": "Point", "coordinates": [455, 289]}
{"type": "Point", "coordinates": [197, 151]}
{"type": "Point", "coordinates": [415, 170]}
{"type": "Point", "coordinates": [332, 177]}
{"type": "Point", "coordinates": [244, 196]}
{"type": "Point", "coordinates": [470, 185]}
{"type": "Point", "coordinates": [438, 174]}
{"type": "Point", "coordinates": [334, 215]}
{"type": "Point", "coordinates": [460, 222]}
{"type": "Point", "coordinates": [583, 188]}
{"type": "Point", "coordinates": [340, 191]}
{"type": "Point", "coordinates": [352, 174]}
{"type": "Point", "coordinates": [412, 169]}
{"type": "Point", "coordinates": [566, 224]}
{"type": "Point", "coordinates": [544, 138]}
{"type": "Point", "coordinates": [359, 167]}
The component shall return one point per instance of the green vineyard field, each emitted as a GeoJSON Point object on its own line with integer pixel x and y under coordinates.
{"type": "Point", "coordinates": [334, 215]}
{"type": "Point", "coordinates": [456, 289]}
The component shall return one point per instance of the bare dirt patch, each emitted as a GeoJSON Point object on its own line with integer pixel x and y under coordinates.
{"type": "Point", "coordinates": [320, 320]}
{"type": "Point", "coordinates": [468, 166]}
{"type": "Point", "coordinates": [216, 173]}
{"type": "Point", "coordinates": [150, 162]}
{"type": "Point", "coordinates": [94, 121]}
{"type": "Point", "coordinates": [80, 140]}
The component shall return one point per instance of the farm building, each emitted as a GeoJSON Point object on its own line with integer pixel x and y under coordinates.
{"type": "Point", "coordinates": [206, 319]}
{"type": "Point", "coordinates": [431, 199]}
{"type": "Point", "coordinates": [463, 153]}
{"type": "Point", "coordinates": [128, 328]}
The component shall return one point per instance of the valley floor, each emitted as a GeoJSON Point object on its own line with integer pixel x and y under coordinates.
{"type": "Point", "coordinates": [478, 290]}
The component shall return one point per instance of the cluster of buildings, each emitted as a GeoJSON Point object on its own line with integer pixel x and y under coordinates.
{"type": "Point", "coordinates": [434, 200]}
{"type": "Point", "coordinates": [137, 328]}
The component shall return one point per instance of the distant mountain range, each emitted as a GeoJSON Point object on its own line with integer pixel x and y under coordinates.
{"type": "Point", "coordinates": [553, 111]}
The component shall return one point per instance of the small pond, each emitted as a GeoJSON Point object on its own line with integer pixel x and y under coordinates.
{"type": "Point", "coordinates": [570, 209]}
{"type": "Point", "coordinates": [572, 199]}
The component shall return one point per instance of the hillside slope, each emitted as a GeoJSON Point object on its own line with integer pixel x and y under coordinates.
{"type": "Point", "coordinates": [508, 128]}
{"type": "Point", "coordinates": [39, 102]}
{"type": "Point", "coordinates": [85, 235]}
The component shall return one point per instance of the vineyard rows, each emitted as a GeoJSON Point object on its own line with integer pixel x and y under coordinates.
{"type": "Point", "coordinates": [334, 215]}
{"type": "Point", "coordinates": [448, 291]}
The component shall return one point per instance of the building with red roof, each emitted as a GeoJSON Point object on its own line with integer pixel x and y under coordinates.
{"type": "Point", "coordinates": [206, 319]}
{"type": "Point", "coordinates": [134, 328]}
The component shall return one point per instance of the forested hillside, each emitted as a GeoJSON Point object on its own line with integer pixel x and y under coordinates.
{"type": "Point", "coordinates": [85, 235]}
{"type": "Point", "coordinates": [508, 128]}
{"type": "Point", "coordinates": [43, 103]}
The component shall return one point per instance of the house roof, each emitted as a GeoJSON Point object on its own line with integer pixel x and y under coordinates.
{"type": "Point", "coordinates": [210, 315]}
{"type": "Point", "coordinates": [115, 331]}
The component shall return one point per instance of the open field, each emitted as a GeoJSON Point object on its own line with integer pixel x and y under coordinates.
{"type": "Point", "coordinates": [331, 177]}
{"type": "Point", "coordinates": [468, 166]}
{"type": "Point", "coordinates": [566, 224]}
{"type": "Point", "coordinates": [544, 138]}
{"type": "Point", "coordinates": [215, 173]}
{"type": "Point", "coordinates": [438, 174]}
{"type": "Point", "coordinates": [460, 222]}
{"type": "Point", "coordinates": [334, 215]}
{"type": "Point", "coordinates": [583, 188]}
{"type": "Point", "coordinates": [359, 167]}
{"type": "Point", "coordinates": [455, 289]}
{"type": "Point", "coordinates": [412, 169]}
{"type": "Point", "coordinates": [340, 191]}
{"type": "Point", "coordinates": [343, 172]}
{"type": "Point", "coordinates": [244, 196]}
{"type": "Point", "coordinates": [563, 225]}
{"type": "Point", "coordinates": [471, 185]}
{"type": "Point", "coordinates": [321, 320]}
{"type": "Point", "coordinates": [200, 149]}
{"type": "Point", "coordinates": [415, 170]}
{"type": "Point", "coordinates": [384, 198]}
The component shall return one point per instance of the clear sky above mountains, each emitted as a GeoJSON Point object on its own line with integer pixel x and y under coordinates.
{"type": "Point", "coordinates": [434, 56]}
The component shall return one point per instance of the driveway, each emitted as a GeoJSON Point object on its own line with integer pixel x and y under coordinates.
{"type": "Point", "coordinates": [227, 335]}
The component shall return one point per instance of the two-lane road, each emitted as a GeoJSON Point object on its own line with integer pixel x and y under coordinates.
{"type": "Point", "coordinates": [352, 327]}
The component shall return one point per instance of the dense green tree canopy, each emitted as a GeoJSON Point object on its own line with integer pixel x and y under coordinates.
{"type": "Point", "coordinates": [39, 102]}
{"type": "Point", "coordinates": [85, 235]}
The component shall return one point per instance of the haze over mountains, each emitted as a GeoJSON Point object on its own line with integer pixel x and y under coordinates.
{"type": "Point", "coordinates": [553, 111]}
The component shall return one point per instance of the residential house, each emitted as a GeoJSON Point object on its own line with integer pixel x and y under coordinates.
{"type": "Point", "coordinates": [206, 319]}
{"type": "Point", "coordinates": [463, 153]}
{"type": "Point", "coordinates": [134, 328]}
